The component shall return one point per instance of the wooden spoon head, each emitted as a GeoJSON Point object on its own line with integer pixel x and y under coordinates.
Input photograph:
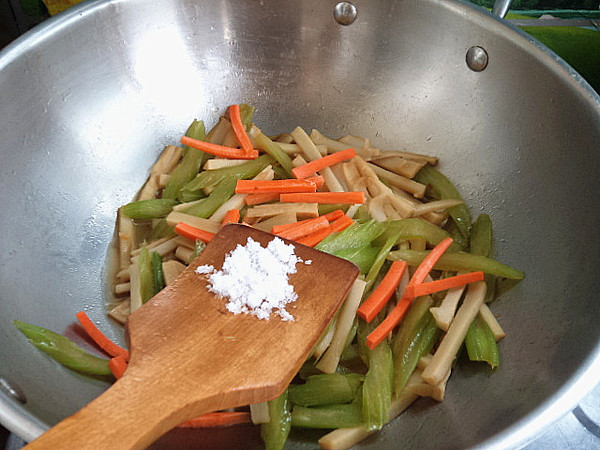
{"type": "Point", "coordinates": [185, 334]}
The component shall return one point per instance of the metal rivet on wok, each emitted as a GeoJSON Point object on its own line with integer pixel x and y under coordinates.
{"type": "Point", "coordinates": [345, 13]}
{"type": "Point", "coordinates": [13, 390]}
{"type": "Point", "coordinates": [477, 58]}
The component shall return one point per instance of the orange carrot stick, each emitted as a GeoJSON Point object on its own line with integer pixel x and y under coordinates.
{"type": "Point", "coordinates": [272, 186]}
{"type": "Point", "coordinates": [193, 233]}
{"type": "Point", "coordinates": [239, 129]}
{"type": "Point", "coordinates": [232, 216]}
{"type": "Point", "coordinates": [338, 225]}
{"type": "Point", "coordinates": [380, 296]}
{"type": "Point", "coordinates": [219, 150]}
{"type": "Point", "coordinates": [333, 215]}
{"type": "Point", "coordinates": [100, 338]}
{"type": "Point", "coordinates": [304, 228]}
{"type": "Point", "coordinates": [308, 169]}
{"type": "Point", "coordinates": [218, 419]}
{"type": "Point", "coordinates": [398, 313]}
{"type": "Point", "coordinates": [418, 290]}
{"type": "Point", "coordinates": [288, 226]}
{"type": "Point", "coordinates": [318, 180]}
{"type": "Point", "coordinates": [117, 366]}
{"type": "Point", "coordinates": [257, 199]}
{"type": "Point", "coordinates": [324, 198]}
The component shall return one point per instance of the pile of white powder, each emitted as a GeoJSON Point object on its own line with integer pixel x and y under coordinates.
{"type": "Point", "coordinates": [255, 279]}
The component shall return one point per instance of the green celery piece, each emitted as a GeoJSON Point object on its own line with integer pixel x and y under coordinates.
{"type": "Point", "coordinates": [481, 343]}
{"type": "Point", "coordinates": [148, 209]}
{"type": "Point", "coordinates": [417, 335]}
{"type": "Point", "coordinates": [363, 214]}
{"type": "Point", "coordinates": [162, 229]}
{"type": "Point", "coordinates": [330, 416]}
{"type": "Point", "coordinates": [210, 178]}
{"type": "Point", "coordinates": [64, 350]}
{"type": "Point", "coordinates": [325, 389]}
{"type": "Point", "coordinates": [459, 262]}
{"type": "Point", "coordinates": [355, 236]}
{"type": "Point", "coordinates": [158, 276]}
{"type": "Point", "coordinates": [439, 186]}
{"type": "Point", "coordinates": [380, 259]}
{"type": "Point", "coordinates": [190, 164]}
{"type": "Point", "coordinates": [482, 243]}
{"type": "Point", "coordinates": [280, 173]}
{"type": "Point", "coordinates": [146, 275]}
{"type": "Point", "coordinates": [190, 196]}
{"type": "Point", "coordinates": [223, 192]}
{"type": "Point", "coordinates": [455, 234]}
{"type": "Point", "coordinates": [262, 142]}
{"type": "Point", "coordinates": [275, 432]}
{"type": "Point", "coordinates": [247, 113]}
{"type": "Point", "coordinates": [416, 228]}
{"type": "Point", "coordinates": [363, 256]}
{"type": "Point", "coordinates": [378, 387]}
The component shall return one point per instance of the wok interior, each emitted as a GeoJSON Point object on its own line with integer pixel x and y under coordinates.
{"type": "Point", "coordinates": [89, 101]}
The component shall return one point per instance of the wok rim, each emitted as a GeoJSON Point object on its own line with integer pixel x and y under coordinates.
{"type": "Point", "coordinates": [17, 419]}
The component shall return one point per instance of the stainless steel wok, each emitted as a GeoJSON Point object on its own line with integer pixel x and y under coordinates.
{"type": "Point", "coordinates": [88, 100]}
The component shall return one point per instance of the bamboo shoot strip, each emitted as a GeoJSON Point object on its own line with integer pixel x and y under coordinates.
{"type": "Point", "coordinates": [314, 166]}
{"type": "Point", "coordinates": [219, 150]}
{"type": "Point", "coordinates": [321, 198]}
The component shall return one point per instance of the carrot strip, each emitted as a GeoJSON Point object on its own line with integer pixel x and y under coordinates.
{"type": "Point", "coordinates": [239, 129]}
{"type": "Point", "coordinates": [324, 197]}
{"type": "Point", "coordinates": [398, 313]}
{"type": "Point", "coordinates": [100, 338]}
{"type": "Point", "coordinates": [418, 290]}
{"type": "Point", "coordinates": [303, 228]}
{"type": "Point", "coordinates": [118, 366]}
{"type": "Point", "coordinates": [380, 296]}
{"type": "Point", "coordinates": [257, 199]}
{"type": "Point", "coordinates": [274, 186]}
{"type": "Point", "coordinates": [219, 150]}
{"type": "Point", "coordinates": [218, 419]}
{"type": "Point", "coordinates": [193, 233]}
{"type": "Point", "coordinates": [288, 226]}
{"type": "Point", "coordinates": [232, 216]}
{"type": "Point", "coordinates": [308, 169]}
{"type": "Point", "coordinates": [338, 225]}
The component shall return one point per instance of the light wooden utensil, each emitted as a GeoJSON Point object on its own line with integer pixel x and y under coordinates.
{"type": "Point", "coordinates": [190, 356]}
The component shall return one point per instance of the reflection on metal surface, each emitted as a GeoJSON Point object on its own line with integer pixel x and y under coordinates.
{"type": "Point", "coordinates": [477, 58]}
{"type": "Point", "coordinates": [345, 13]}
{"type": "Point", "coordinates": [13, 390]}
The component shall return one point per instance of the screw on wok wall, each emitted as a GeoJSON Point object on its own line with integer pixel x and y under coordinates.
{"type": "Point", "coordinates": [477, 58]}
{"type": "Point", "coordinates": [13, 390]}
{"type": "Point", "coordinates": [345, 13]}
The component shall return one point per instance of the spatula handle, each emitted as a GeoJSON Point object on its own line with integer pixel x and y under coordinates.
{"type": "Point", "coordinates": [131, 414]}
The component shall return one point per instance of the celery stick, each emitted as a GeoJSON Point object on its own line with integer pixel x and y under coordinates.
{"type": "Point", "coordinates": [275, 432]}
{"type": "Point", "coordinates": [416, 337]}
{"type": "Point", "coordinates": [210, 178]}
{"type": "Point", "coordinates": [416, 228]}
{"type": "Point", "coordinates": [481, 343]}
{"type": "Point", "coordinates": [325, 389]}
{"type": "Point", "coordinates": [331, 416]}
{"type": "Point", "coordinates": [267, 145]}
{"type": "Point", "coordinates": [380, 259]}
{"type": "Point", "coordinates": [146, 275]}
{"type": "Point", "coordinates": [378, 387]}
{"type": "Point", "coordinates": [223, 192]}
{"type": "Point", "coordinates": [63, 350]}
{"type": "Point", "coordinates": [363, 256]}
{"type": "Point", "coordinates": [354, 236]}
{"type": "Point", "coordinates": [162, 229]}
{"type": "Point", "coordinates": [440, 187]}
{"type": "Point", "coordinates": [190, 164]}
{"type": "Point", "coordinates": [247, 113]}
{"type": "Point", "coordinates": [455, 234]}
{"type": "Point", "coordinates": [158, 276]}
{"type": "Point", "coordinates": [482, 243]}
{"type": "Point", "coordinates": [459, 262]}
{"type": "Point", "coordinates": [148, 209]}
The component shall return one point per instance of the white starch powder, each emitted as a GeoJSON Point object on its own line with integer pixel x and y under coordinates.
{"type": "Point", "coordinates": [255, 279]}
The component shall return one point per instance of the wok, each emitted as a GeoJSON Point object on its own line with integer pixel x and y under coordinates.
{"type": "Point", "coordinates": [89, 99]}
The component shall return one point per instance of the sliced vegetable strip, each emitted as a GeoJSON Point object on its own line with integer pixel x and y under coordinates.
{"type": "Point", "coordinates": [218, 419]}
{"type": "Point", "coordinates": [118, 366]}
{"type": "Point", "coordinates": [100, 338]}
{"type": "Point", "coordinates": [288, 226]}
{"type": "Point", "coordinates": [270, 186]}
{"type": "Point", "coordinates": [219, 150]}
{"type": "Point", "coordinates": [379, 298]}
{"type": "Point", "coordinates": [239, 128]}
{"type": "Point", "coordinates": [427, 264]}
{"type": "Point", "coordinates": [257, 199]}
{"type": "Point", "coordinates": [313, 167]}
{"type": "Point", "coordinates": [304, 228]}
{"type": "Point", "coordinates": [148, 209]}
{"type": "Point", "coordinates": [193, 233]}
{"type": "Point", "coordinates": [338, 225]}
{"type": "Point", "coordinates": [325, 197]}
{"type": "Point", "coordinates": [443, 284]}
{"type": "Point", "coordinates": [232, 216]}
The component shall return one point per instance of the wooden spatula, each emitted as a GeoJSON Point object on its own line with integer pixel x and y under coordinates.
{"type": "Point", "coordinates": [190, 356]}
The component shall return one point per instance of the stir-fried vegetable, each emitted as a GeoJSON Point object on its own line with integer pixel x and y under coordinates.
{"type": "Point", "coordinates": [427, 271]}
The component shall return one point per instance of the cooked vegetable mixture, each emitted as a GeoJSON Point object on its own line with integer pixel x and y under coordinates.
{"type": "Point", "coordinates": [427, 269]}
